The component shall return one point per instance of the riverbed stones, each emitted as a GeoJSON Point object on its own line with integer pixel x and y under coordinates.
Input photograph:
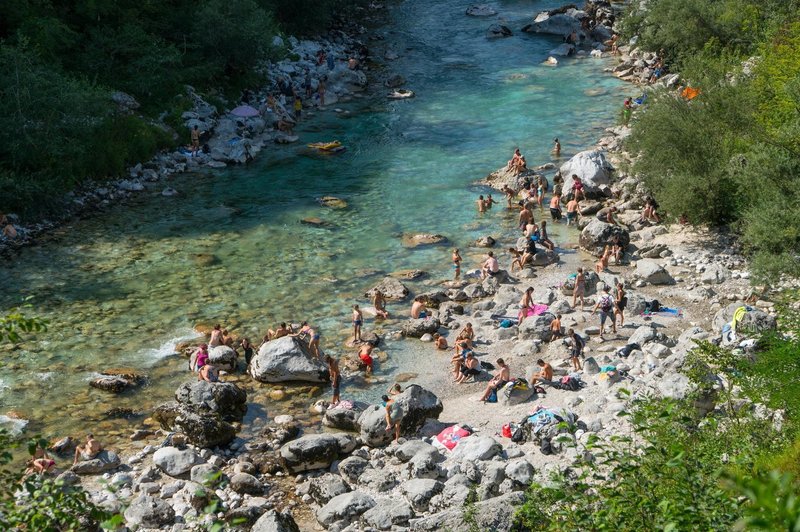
{"type": "Point", "coordinates": [245, 483]}
{"type": "Point", "coordinates": [653, 273]}
{"type": "Point", "coordinates": [345, 508]}
{"type": "Point", "coordinates": [498, 31]}
{"type": "Point", "coordinates": [477, 448]}
{"type": "Point", "coordinates": [389, 513]}
{"type": "Point", "coordinates": [416, 328]}
{"type": "Point", "coordinates": [204, 428]}
{"type": "Point", "coordinates": [481, 10]}
{"type": "Point", "coordinates": [287, 359]}
{"type": "Point", "coordinates": [597, 234]}
{"type": "Point", "coordinates": [414, 240]}
{"type": "Point", "coordinates": [537, 327]}
{"type": "Point", "coordinates": [176, 462]}
{"type": "Point", "coordinates": [324, 488]}
{"type": "Point", "coordinates": [273, 521]}
{"type": "Point", "coordinates": [104, 461]}
{"type": "Point", "coordinates": [149, 512]}
{"type": "Point", "coordinates": [485, 242]}
{"type": "Point", "coordinates": [223, 398]}
{"type": "Point", "coordinates": [391, 288]}
{"type": "Point", "coordinates": [315, 451]}
{"type": "Point", "coordinates": [420, 491]}
{"type": "Point", "coordinates": [110, 384]}
{"type": "Point", "coordinates": [343, 418]}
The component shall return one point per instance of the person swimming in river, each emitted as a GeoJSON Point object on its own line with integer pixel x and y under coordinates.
{"type": "Point", "coordinates": [488, 202]}
{"type": "Point", "coordinates": [481, 203]}
{"type": "Point", "coordinates": [556, 151]}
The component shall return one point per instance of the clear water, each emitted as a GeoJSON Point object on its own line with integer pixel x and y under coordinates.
{"type": "Point", "coordinates": [121, 289]}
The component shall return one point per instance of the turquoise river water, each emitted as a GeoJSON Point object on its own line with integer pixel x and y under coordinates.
{"type": "Point", "coordinates": [122, 288]}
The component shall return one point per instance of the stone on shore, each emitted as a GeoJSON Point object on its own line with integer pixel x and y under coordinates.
{"type": "Point", "coordinates": [391, 288]}
{"type": "Point", "coordinates": [222, 355]}
{"type": "Point", "coordinates": [592, 167]}
{"type": "Point", "coordinates": [149, 512]}
{"type": "Point", "coordinates": [315, 451]}
{"type": "Point", "coordinates": [411, 408]}
{"type": "Point", "coordinates": [343, 418]}
{"type": "Point", "coordinates": [176, 462]}
{"type": "Point", "coordinates": [223, 398]}
{"type": "Point", "coordinates": [204, 429]}
{"type": "Point", "coordinates": [104, 461]}
{"type": "Point", "coordinates": [652, 272]}
{"type": "Point", "coordinates": [274, 521]}
{"type": "Point", "coordinates": [344, 509]}
{"type": "Point", "coordinates": [597, 235]}
{"type": "Point", "coordinates": [753, 321]}
{"type": "Point", "coordinates": [287, 359]}
{"type": "Point", "coordinates": [537, 327]}
{"type": "Point", "coordinates": [416, 328]}
{"type": "Point", "coordinates": [495, 514]}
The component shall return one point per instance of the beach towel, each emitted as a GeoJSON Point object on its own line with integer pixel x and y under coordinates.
{"type": "Point", "coordinates": [450, 437]}
{"type": "Point", "coordinates": [666, 312]}
{"type": "Point", "coordinates": [537, 310]}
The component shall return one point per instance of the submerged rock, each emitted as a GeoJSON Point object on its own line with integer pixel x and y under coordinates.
{"type": "Point", "coordinates": [423, 239]}
{"type": "Point", "coordinates": [481, 10]}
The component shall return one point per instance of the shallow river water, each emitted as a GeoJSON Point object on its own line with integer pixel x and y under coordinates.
{"type": "Point", "coordinates": [122, 288]}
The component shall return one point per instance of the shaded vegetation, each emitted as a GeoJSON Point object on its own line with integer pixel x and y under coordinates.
{"type": "Point", "coordinates": [731, 156]}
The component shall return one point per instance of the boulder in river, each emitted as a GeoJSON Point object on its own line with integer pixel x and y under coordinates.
{"type": "Point", "coordinates": [391, 288]}
{"type": "Point", "coordinates": [223, 398]}
{"type": "Point", "coordinates": [511, 178]}
{"type": "Point", "coordinates": [222, 355]}
{"type": "Point", "coordinates": [498, 31]}
{"type": "Point", "coordinates": [104, 461]}
{"type": "Point", "coordinates": [416, 328]}
{"type": "Point", "coordinates": [559, 22]}
{"type": "Point", "coordinates": [203, 428]}
{"type": "Point", "coordinates": [287, 359]}
{"type": "Point", "coordinates": [414, 240]}
{"type": "Point", "coordinates": [481, 10]}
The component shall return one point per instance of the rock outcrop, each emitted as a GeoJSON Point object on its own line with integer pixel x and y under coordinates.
{"type": "Point", "coordinates": [287, 359]}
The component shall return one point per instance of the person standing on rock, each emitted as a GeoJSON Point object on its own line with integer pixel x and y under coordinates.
{"type": "Point", "coordinates": [490, 267]}
{"type": "Point", "coordinates": [580, 288]}
{"type": "Point", "coordinates": [481, 204]}
{"type": "Point", "coordinates": [358, 320]}
{"type": "Point", "coordinates": [456, 258]}
{"type": "Point", "coordinates": [335, 377]}
{"type": "Point", "coordinates": [526, 304]}
{"type": "Point", "coordinates": [602, 264]}
{"type": "Point", "coordinates": [555, 328]}
{"type": "Point", "coordinates": [312, 337]}
{"type": "Point", "coordinates": [216, 336]}
{"type": "Point", "coordinates": [576, 349]}
{"type": "Point", "coordinates": [501, 377]}
{"type": "Point", "coordinates": [577, 188]}
{"type": "Point", "coordinates": [388, 401]}
{"type": "Point", "coordinates": [620, 302]}
{"type": "Point", "coordinates": [195, 140]}
{"type": "Point", "coordinates": [379, 302]}
{"type": "Point", "coordinates": [605, 303]}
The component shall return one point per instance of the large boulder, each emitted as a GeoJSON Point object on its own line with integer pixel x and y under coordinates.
{"type": "Point", "coordinates": [592, 167]}
{"type": "Point", "coordinates": [149, 512]}
{"type": "Point", "coordinates": [223, 398]}
{"type": "Point", "coordinates": [344, 509]}
{"type": "Point", "coordinates": [420, 491]}
{"type": "Point", "coordinates": [316, 451]}
{"type": "Point", "coordinates": [412, 408]}
{"type": "Point", "coordinates": [287, 359]}
{"type": "Point", "coordinates": [204, 428]}
{"type": "Point", "coordinates": [176, 462]}
{"type": "Point", "coordinates": [477, 448]}
{"type": "Point", "coordinates": [273, 521]}
{"type": "Point", "coordinates": [495, 514]}
{"type": "Point", "coordinates": [222, 355]}
{"type": "Point", "coordinates": [652, 272]}
{"type": "Point", "coordinates": [753, 321]}
{"type": "Point", "coordinates": [597, 235]}
{"type": "Point", "coordinates": [498, 31]}
{"type": "Point", "coordinates": [537, 327]}
{"type": "Point", "coordinates": [343, 418]}
{"type": "Point", "coordinates": [559, 22]}
{"type": "Point", "coordinates": [511, 178]}
{"type": "Point", "coordinates": [391, 288]}
{"type": "Point", "coordinates": [544, 257]}
{"type": "Point", "coordinates": [416, 328]}
{"type": "Point", "coordinates": [104, 461]}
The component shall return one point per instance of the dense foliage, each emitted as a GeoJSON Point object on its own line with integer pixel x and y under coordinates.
{"type": "Point", "coordinates": [60, 62]}
{"type": "Point", "coordinates": [683, 469]}
{"type": "Point", "coordinates": [731, 156]}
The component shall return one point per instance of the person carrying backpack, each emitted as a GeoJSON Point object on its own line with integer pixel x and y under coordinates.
{"type": "Point", "coordinates": [605, 303]}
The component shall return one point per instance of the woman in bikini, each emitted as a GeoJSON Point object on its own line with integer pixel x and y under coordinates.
{"type": "Point", "coordinates": [456, 264]}
{"type": "Point", "coordinates": [577, 188]}
{"type": "Point", "coordinates": [540, 193]}
{"type": "Point", "coordinates": [525, 304]}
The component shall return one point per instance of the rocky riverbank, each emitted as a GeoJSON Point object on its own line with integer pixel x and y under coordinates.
{"type": "Point", "coordinates": [351, 477]}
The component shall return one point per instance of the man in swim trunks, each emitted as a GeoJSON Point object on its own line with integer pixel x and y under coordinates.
{"type": "Point", "coordinates": [572, 211]}
{"type": "Point", "coordinates": [490, 267]}
{"type": "Point", "coordinates": [510, 194]}
{"type": "Point", "coordinates": [418, 309]}
{"type": "Point", "coordinates": [89, 450]}
{"type": "Point", "coordinates": [544, 375]}
{"type": "Point", "coordinates": [488, 202]}
{"type": "Point", "coordinates": [576, 349]}
{"type": "Point", "coordinates": [335, 377]}
{"type": "Point", "coordinates": [358, 320]}
{"type": "Point", "coordinates": [525, 217]}
{"type": "Point", "coordinates": [501, 377]}
{"type": "Point", "coordinates": [365, 355]}
{"type": "Point", "coordinates": [481, 203]}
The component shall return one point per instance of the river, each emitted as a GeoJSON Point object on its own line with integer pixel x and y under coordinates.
{"type": "Point", "coordinates": [122, 288]}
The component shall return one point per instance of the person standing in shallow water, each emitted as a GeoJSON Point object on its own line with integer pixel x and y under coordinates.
{"type": "Point", "coordinates": [481, 203]}
{"type": "Point", "coordinates": [335, 377]}
{"type": "Point", "coordinates": [556, 147]}
{"type": "Point", "coordinates": [456, 264]}
{"type": "Point", "coordinates": [358, 320]}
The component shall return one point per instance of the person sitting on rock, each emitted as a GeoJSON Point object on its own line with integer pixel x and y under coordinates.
{"type": "Point", "coordinates": [216, 336]}
{"type": "Point", "coordinates": [501, 377]}
{"type": "Point", "coordinates": [279, 332]}
{"type": "Point", "coordinates": [649, 213]}
{"type": "Point", "coordinates": [89, 450]}
{"type": "Point", "coordinates": [439, 341]}
{"type": "Point", "coordinates": [418, 309]}
{"type": "Point", "coordinates": [227, 338]}
{"type": "Point", "coordinates": [602, 264]}
{"type": "Point", "coordinates": [491, 267]}
{"type": "Point", "coordinates": [607, 216]}
{"type": "Point", "coordinates": [467, 335]}
{"type": "Point", "coordinates": [208, 373]}
{"type": "Point", "coordinates": [379, 302]}
{"type": "Point", "coordinates": [543, 238]}
{"type": "Point", "coordinates": [514, 162]}
{"type": "Point", "coordinates": [616, 249]}
{"type": "Point", "coordinates": [544, 375]}
{"type": "Point", "coordinates": [470, 367]}
{"type": "Point", "coordinates": [519, 259]}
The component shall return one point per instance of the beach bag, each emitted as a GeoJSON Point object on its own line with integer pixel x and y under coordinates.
{"type": "Point", "coordinates": [518, 433]}
{"type": "Point", "coordinates": [505, 324]}
{"type": "Point", "coordinates": [626, 350]}
{"type": "Point", "coordinates": [492, 397]}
